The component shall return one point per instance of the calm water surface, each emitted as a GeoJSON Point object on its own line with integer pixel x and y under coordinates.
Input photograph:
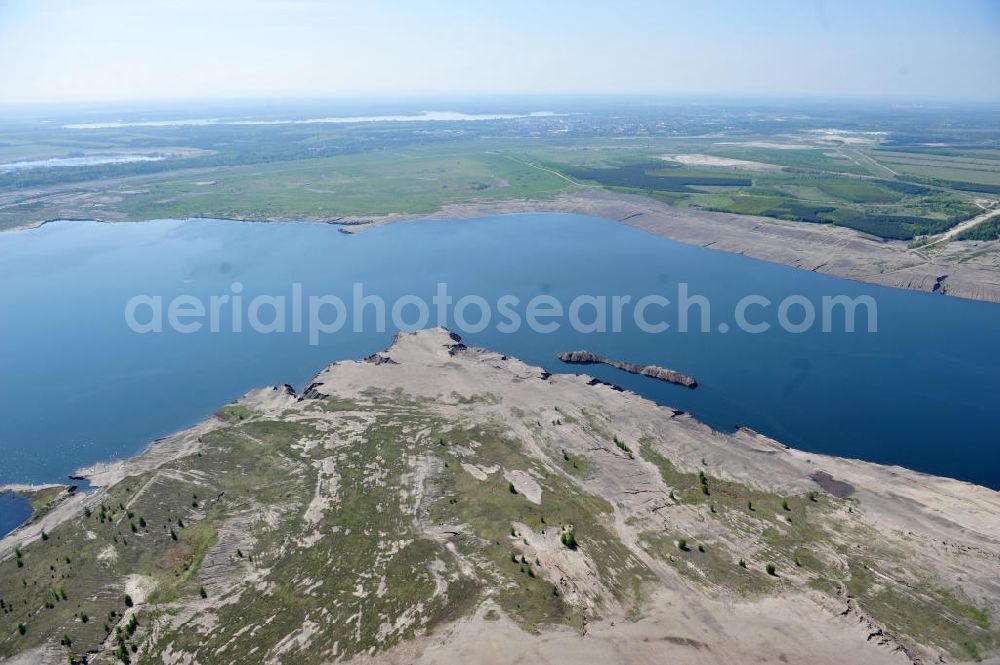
{"type": "Point", "coordinates": [14, 510]}
{"type": "Point", "coordinates": [78, 386]}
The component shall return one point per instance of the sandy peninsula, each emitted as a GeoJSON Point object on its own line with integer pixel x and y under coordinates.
{"type": "Point", "coordinates": [476, 508]}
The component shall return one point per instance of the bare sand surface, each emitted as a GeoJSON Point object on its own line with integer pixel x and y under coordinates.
{"type": "Point", "coordinates": [713, 160]}
{"type": "Point", "coordinates": [946, 526]}
{"type": "Point", "coordinates": [938, 517]}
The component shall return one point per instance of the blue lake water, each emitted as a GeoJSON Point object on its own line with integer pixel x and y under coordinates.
{"type": "Point", "coordinates": [14, 510]}
{"type": "Point", "coordinates": [79, 386]}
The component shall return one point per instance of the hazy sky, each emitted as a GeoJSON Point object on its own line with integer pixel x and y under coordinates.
{"type": "Point", "coordinates": [62, 50]}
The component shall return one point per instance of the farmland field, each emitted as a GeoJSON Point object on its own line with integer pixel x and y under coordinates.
{"type": "Point", "coordinates": [895, 182]}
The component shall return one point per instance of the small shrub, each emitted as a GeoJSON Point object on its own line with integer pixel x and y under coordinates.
{"type": "Point", "coordinates": [202, 592]}
{"type": "Point", "coordinates": [743, 563]}
{"type": "Point", "coordinates": [21, 628]}
{"type": "Point", "coordinates": [770, 569]}
{"type": "Point", "coordinates": [568, 539]}
{"type": "Point", "coordinates": [511, 488]}
{"type": "Point", "coordinates": [682, 544]}
{"type": "Point", "coordinates": [84, 618]}
{"type": "Point", "coordinates": [128, 600]}
{"type": "Point", "coordinates": [784, 504]}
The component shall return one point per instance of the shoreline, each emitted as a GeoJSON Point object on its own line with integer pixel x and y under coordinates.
{"type": "Point", "coordinates": [185, 441]}
{"type": "Point", "coordinates": [150, 454]}
{"type": "Point", "coordinates": [963, 269]}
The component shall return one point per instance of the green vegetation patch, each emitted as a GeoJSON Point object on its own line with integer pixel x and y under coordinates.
{"type": "Point", "coordinates": [654, 176]}
{"type": "Point", "coordinates": [490, 510]}
{"type": "Point", "coordinates": [923, 611]}
{"type": "Point", "coordinates": [857, 191]}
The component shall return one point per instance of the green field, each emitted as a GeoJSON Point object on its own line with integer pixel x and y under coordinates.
{"type": "Point", "coordinates": [865, 182]}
